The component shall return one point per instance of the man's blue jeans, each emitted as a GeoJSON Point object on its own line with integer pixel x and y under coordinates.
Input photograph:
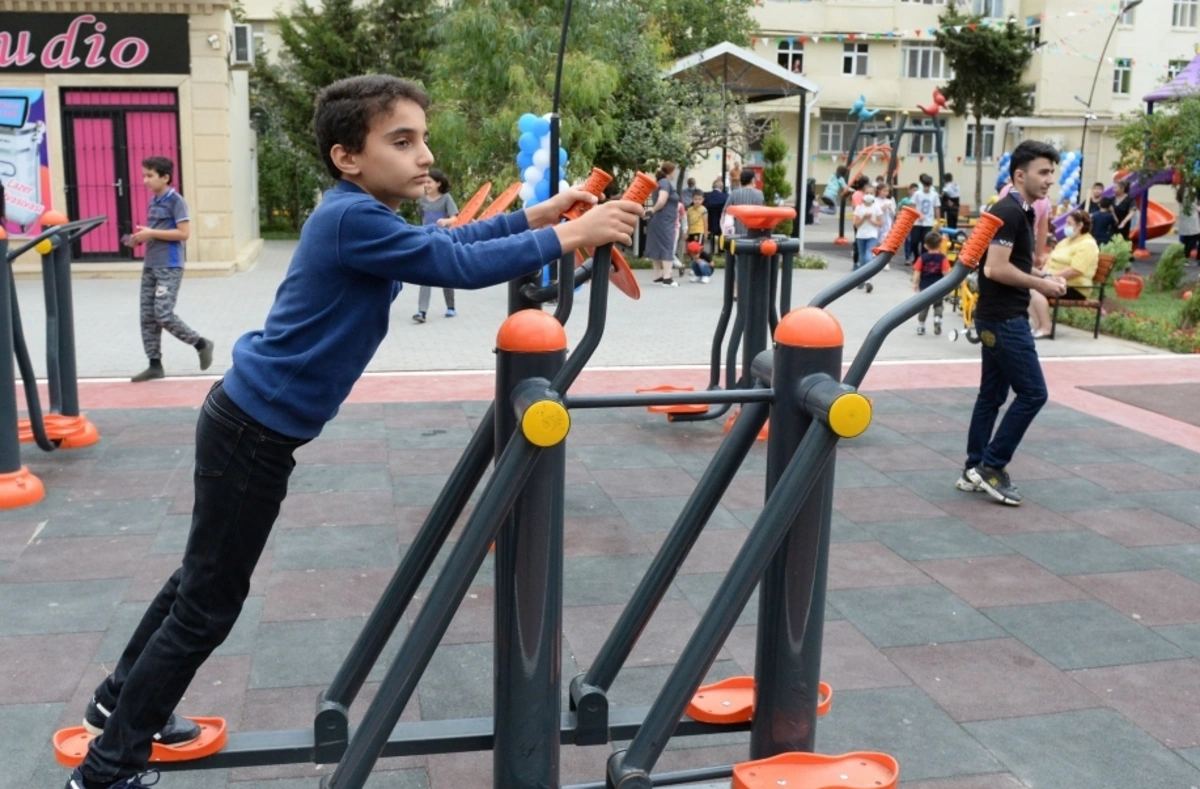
{"type": "Point", "coordinates": [1010, 360]}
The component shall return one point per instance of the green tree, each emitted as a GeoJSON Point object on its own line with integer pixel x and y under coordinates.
{"type": "Point", "coordinates": [776, 188]}
{"type": "Point", "coordinates": [988, 59]}
{"type": "Point", "coordinates": [1167, 139]}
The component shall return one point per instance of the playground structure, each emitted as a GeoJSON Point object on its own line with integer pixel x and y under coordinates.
{"type": "Point", "coordinates": [1156, 219]}
{"type": "Point", "coordinates": [63, 427]}
{"type": "Point", "coordinates": [795, 388]}
{"type": "Point", "coordinates": [857, 160]}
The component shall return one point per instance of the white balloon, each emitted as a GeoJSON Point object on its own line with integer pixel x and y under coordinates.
{"type": "Point", "coordinates": [544, 145]}
{"type": "Point", "coordinates": [526, 193]}
{"type": "Point", "coordinates": [541, 158]}
{"type": "Point", "coordinates": [563, 186]}
{"type": "Point", "coordinates": [533, 175]}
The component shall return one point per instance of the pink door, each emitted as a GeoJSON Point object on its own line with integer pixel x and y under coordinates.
{"type": "Point", "coordinates": [108, 135]}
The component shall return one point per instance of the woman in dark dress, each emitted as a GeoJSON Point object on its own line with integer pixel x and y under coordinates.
{"type": "Point", "coordinates": [663, 223]}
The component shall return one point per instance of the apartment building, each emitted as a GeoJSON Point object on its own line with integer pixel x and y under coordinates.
{"type": "Point", "coordinates": [884, 50]}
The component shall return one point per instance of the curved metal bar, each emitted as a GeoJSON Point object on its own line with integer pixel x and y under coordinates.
{"type": "Point", "coordinates": [544, 293]}
{"type": "Point", "coordinates": [773, 295]}
{"type": "Point", "coordinates": [597, 315]}
{"type": "Point", "coordinates": [849, 283]}
{"type": "Point", "coordinates": [33, 403]}
{"type": "Point", "coordinates": [73, 230]}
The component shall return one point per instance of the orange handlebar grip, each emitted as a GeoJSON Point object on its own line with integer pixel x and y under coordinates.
{"type": "Point", "coordinates": [976, 246]}
{"type": "Point", "coordinates": [594, 184]}
{"type": "Point", "coordinates": [641, 188]}
{"type": "Point", "coordinates": [903, 225]}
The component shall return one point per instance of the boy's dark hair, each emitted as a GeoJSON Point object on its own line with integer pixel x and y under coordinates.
{"type": "Point", "coordinates": [697, 193]}
{"type": "Point", "coordinates": [947, 178]}
{"type": "Point", "coordinates": [933, 239]}
{"type": "Point", "coordinates": [161, 165]}
{"type": "Point", "coordinates": [346, 109]}
{"type": "Point", "coordinates": [1121, 186]}
{"type": "Point", "coordinates": [1028, 152]}
{"type": "Point", "coordinates": [860, 182]}
{"type": "Point", "coordinates": [747, 177]}
{"type": "Point", "coordinates": [1099, 184]}
{"type": "Point", "coordinates": [842, 171]}
{"type": "Point", "coordinates": [442, 181]}
{"type": "Point", "coordinates": [914, 186]}
{"type": "Point", "coordinates": [926, 179]}
{"type": "Point", "coordinates": [1106, 202]}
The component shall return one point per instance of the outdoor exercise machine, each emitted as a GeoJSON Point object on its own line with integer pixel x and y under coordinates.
{"type": "Point", "coordinates": [520, 509]}
{"type": "Point", "coordinates": [63, 427]}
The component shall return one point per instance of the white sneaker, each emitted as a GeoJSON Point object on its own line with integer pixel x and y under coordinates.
{"type": "Point", "coordinates": [692, 278]}
{"type": "Point", "coordinates": [704, 280]}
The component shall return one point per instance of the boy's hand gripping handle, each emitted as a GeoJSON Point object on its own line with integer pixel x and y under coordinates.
{"type": "Point", "coordinates": [595, 184]}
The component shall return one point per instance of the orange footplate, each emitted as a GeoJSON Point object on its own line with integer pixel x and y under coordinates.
{"type": "Point", "coordinates": [694, 408]}
{"type": "Point", "coordinates": [70, 745]}
{"type": "Point", "coordinates": [859, 770]}
{"type": "Point", "coordinates": [732, 701]}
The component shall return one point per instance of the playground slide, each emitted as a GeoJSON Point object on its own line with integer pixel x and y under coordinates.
{"type": "Point", "coordinates": [1159, 221]}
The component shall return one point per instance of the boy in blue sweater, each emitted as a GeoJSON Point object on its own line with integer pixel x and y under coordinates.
{"type": "Point", "coordinates": [289, 378]}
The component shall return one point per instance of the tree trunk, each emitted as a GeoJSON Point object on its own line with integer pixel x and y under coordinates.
{"type": "Point", "coordinates": [978, 162]}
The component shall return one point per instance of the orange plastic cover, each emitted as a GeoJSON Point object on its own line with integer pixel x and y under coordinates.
{"type": "Point", "coordinates": [473, 205]}
{"type": "Point", "coordinates": [70, 745]}
{"type": "Point", "coordinates": [642, 187]}
{"type": "Point", "coordinates": [859, 770]}
{"type": "Point", "coordinates": [976, 246]}
{"type": "Point", "coordinates": [501, 203]}
{"type": "Point", "coordinates": [761, 217]}
{"type": "Point", "coordinates": [595, 184]}
{"type": "Point", "coordinates": [622, 276]}
{"type": "Point", "coordinates": [903, 225]}
{"type": "Point", "coordinates": [732, 701]}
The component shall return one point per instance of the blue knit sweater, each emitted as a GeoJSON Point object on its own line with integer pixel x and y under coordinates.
{"type": "Point", "coordinates": [331, 310]}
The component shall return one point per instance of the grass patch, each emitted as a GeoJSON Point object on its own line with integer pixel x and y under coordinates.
{"type": "Point", "coordinates": [280, 235]}
{"type": "Point", "coordinates": [1154, 319]}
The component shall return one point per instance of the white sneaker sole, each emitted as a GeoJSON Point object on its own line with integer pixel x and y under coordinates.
{"type": "Point", "coordinates": [978, 479]}
{"type": "Point", "coordinates": [967, 486]}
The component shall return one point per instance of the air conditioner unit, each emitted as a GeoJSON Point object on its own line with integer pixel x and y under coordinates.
{"type": "Point", "coordinates": [242, 52]}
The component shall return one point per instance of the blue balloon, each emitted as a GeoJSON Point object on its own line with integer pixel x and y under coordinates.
{"type": "Point", "coordinates": [524, 160]}
{"type": "Point", "coordinates": [562, 157]}
{"type": "Point", "coordinates": [532, 203]}
{"type": "Point", "coordinates": [528, 142]}
{"type": "Point", "coordinates": [526, 123]}
{"type": "Point", "coordinates": [542, 189]}
{"type": "Point", "coordinates": [541, 127]}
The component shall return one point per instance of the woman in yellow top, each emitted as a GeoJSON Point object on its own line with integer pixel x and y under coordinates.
{"type": "Point", "coordinates": [1074, 261]}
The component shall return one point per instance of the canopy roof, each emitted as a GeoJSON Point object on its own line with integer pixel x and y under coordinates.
{"type": "Point", "coordinates": [1186, 83]}
{"type": "Point", "coordinates": [743, 72]}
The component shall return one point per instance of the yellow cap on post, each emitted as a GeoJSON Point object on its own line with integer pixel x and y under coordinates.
{"type": "Point", "coordinates": [546, 423]}
{"type": "Point", "coordinates": [850, 415]}
{"type": "Point", "coordinates": [44, 247]}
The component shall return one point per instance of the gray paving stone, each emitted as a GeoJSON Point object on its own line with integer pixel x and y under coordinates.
{"type": "Point", "coordinates": [104, 518]}
{"type": "Point", "coordinates": [952, 445]}
{"type": "Point", "coordinates": [932, 486]}
{"type": "Point", "coordinates": [485, 577]}
{"type": "Point", "coordinates": [128, 615]}
{"type": "Point", "coordinates": [897, 616]}
{"type": "Point", "coordinates": [148, 458]}
{"type": "Point", "coordinates": [25, 730]}
{"type": "Point", "coordinates": [941, 538]}
{"type": "Point", "coordinates": [422, 490]}
{"type": "Point", "coordinates": [1071, 495]}
{"type": "Point", "coordinates": [1057, 416]}
{"type": "Point", "coordinates": [1077, 552]}
{"type": "Point", "coordinates": [328, 547]}
{"type": "Point", "coordinates": [588, 500]}
{"type": "Point", "coordinates": [426, 438]}
{"type": "Point", "coordinates": [890, 403]}
{"type": "Point", "coordinates": [1167, 459]}
{"type": "Point", "coordinates": [878, 435]}
{"type": "Point", "coordinates": [604, 580]}
{"type": "Point", "coordinates": [458, 682]}
{"type": "Point", "coordinates": [295, 654]}
{"type": "Point", "coordinates": [343, 429]}
{"type": "Point", "coordinates": [59, 607]}
{"type": "Point", "coordinates": [659, 514]}
{"type": "Point", "coordinates": [413, 778]}
{"type": "Point", "coordinates": [694, 463]}
{"type": "Point", "coordinates": [345, 477]}
{"type": "Point", "coordinates": [1088, 749]}
{"type": "Point", "coordinates": [1066, 453]}
{"type": "Point", "coordinates": [842, 529]}
{"type": "Point", "coordinates": [172, 534]}
{"type": "Point", "coordinates": [1182, 505]}
{"type": "Point", "coordinates": [1186, 637]}
{"type": "Point", "coordinates": [699, 589]}
{"type": "Point", "coordinates": [854, 473]}
{"type": "Point", "coordinates": [1183, 559]}
{"type": "Point", "coordinates": [1083, 634]}
{"type": "Point", "coordinates": [640, 686]}
{"type": "Point", "coordinates": [623, 456]}
{"type": "Point", "coordinates": [43, 510]}
{"type": "Point", "coordinates": [907, 725]}
{"type": "Point", "coordinates": [1192, 755]}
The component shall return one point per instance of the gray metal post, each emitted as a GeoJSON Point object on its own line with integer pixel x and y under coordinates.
{"type": "Point", "coordinates": [68, 375]}
{"type": "Point", "coordinates": [18, 487]}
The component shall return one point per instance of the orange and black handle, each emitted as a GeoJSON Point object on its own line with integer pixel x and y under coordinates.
{"type": "Point", "coordinates": [595, 185]}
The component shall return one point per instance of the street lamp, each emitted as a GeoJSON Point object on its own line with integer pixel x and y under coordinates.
{"type": "Point", "coordinates": [1122, 9]}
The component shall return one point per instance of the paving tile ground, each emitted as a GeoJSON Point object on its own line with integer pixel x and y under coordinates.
{"type": "Point", "coordinates": [986, 647]}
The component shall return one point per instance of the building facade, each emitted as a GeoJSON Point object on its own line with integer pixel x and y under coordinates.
{"type": "Point", "coordinates": [884, 51]}
{"type": "Point", "coordinates": [85, 96]}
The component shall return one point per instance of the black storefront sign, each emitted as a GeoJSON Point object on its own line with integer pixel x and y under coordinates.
{"type": "Point", "coordinates": [94, 43]}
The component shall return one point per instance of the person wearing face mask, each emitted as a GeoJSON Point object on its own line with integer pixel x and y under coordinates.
{"type": "Point", "coordinates": [1073, 259]}
{"type": "Point", "coordinates": [868, 218]}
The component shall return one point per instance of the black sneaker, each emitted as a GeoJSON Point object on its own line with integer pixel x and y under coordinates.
{"type": "Point", "coordinates": [995, 483]}
{"type": "Point", "coordinates": [136, 782]}
{"type": "Point", "coordinates": [965, 484]}
{"type": "Point", "coordinates": [178, 731]}
{"type": "Point", "coordinates": [205, 355]}
{"type": "Point", "coordinates": [419, 317]}
{"type": "Point", "coordinates": [149, 374]}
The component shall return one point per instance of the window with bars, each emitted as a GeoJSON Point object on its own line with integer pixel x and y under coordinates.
{"type": "Point", "coordinates": [854, 59]}
{"type": "Point", "coordinates": [791, 55]}
{"type": "Point", "coordinates": [1183, 13]}
{"type": "Point", "coordinates": [923, 60]}
{"type": "Point", "coordinates": [986, 150]}
{"type": "Point", "coordinates": [1122, 76]}
{"type": "Point", "coordinates": [1033, 34]}
{"type": "Point", "coordinates": [837, 127]}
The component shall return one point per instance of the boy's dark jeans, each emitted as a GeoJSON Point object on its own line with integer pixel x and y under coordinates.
{"type": "Point", "coordinates": [1009, 360]}
{"type": "Point", "coordinates": [241, 476]}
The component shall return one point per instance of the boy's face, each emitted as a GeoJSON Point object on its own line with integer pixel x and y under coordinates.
{"type": "Point", "coordinates": [1097, 192]}
{"type": "Point", "coordinates": [698, 199]}
{"type": "Point", "coordinates": [393, 165]}
{"type": "Point", "coordinates": [154, 182]}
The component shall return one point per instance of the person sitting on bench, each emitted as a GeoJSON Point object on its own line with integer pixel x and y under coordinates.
{"type": "Point", "coordinates": [1074, 260]}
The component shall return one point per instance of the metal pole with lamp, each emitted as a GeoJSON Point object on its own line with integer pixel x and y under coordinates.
{"type": "Point", "coordinates": [1124, 8]}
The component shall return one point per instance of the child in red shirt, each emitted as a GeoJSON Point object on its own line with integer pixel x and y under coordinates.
{"type": "Point", "coordinates": [929, 268]}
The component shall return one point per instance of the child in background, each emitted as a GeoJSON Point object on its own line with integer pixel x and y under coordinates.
{"type": "Point", "coordinates": [867, 220]}
{"type": "Point", "coordinates": [929, 268]}
{"type": "Point", "coordinates": [697, 218]}
{"type": "Point", "coordinates": [951, 200]}
{"type": "Point", "coordinates": [1104, 222]}
{"type": "Point", "coordinates": [437, 208]}
{"type": "Point", "coordinates": [701, 261]}
{"type": "Point", "coordinates": [887, 206]}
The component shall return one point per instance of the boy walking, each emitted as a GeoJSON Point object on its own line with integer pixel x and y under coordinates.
{"type": "Point", "coordinates": [167, 227]}
{"type": "Point", "coordinates": [1010, 359]}
{"type": "Point", "coordinates": [926, 201]}
{"type": "Point", "coordinates": [289, 379]}
{"type": "Point", "coordinates": [927, 272]}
